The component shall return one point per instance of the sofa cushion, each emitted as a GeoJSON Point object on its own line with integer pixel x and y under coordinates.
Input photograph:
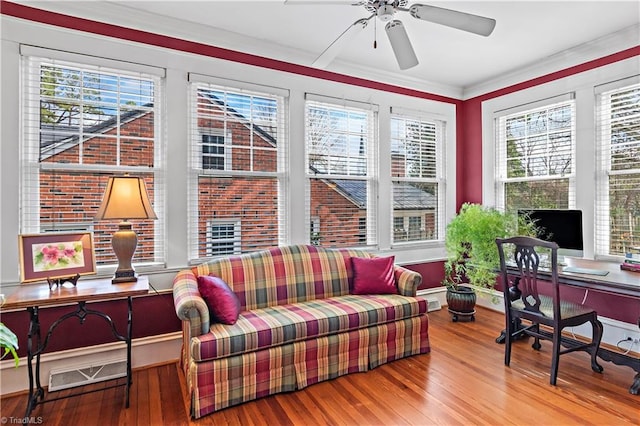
{"type": "Point", "coordinates": [373, 275]}
{"type": "Point", "coordinates": [222, 302]}
{"type": "Point", "coordinates": [277, 325]}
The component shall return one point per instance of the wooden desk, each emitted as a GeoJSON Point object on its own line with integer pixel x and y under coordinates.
{"type": "Point", "coordinates": [618, 282]}
{"type": "Point", "coordinates": [34, 296]}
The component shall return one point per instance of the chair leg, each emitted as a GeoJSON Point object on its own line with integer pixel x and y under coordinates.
{"type": "Point", "coordinates": [507, 340]}
{"type": "Point", "coordinates": [598, 330]}
{"type": "Point", "coordinates": [555, 356]}
{"type": "Point", "coordinates": [536, 342]}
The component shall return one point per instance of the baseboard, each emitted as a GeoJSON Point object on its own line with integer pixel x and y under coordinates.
{"type": "Point", "coordinates": [437, 295]}
{"type": "Point", "coordinates": [145, 352]}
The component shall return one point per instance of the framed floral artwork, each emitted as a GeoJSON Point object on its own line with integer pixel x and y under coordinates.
{"type": "Point", "coordinates": [44, 257]}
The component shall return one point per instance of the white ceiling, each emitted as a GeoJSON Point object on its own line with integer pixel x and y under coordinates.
{"type": "Point", "coordinates": [526, 33]}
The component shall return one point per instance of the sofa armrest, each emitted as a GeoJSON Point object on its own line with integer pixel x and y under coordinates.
{"type": "Point", "coordinates": [407, 281]}
{"type": "Point", "coordinates": [190, 306]}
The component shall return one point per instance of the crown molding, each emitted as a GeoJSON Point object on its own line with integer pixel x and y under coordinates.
{"type": "Point", "coordinates": [598, 48]}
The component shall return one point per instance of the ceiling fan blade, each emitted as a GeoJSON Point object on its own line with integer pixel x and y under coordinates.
{"type": "Point", "coordinates": [335, 48]}
{"type": "Point", "coordinates": [453, 18]}
{"type": "Point", "coordinates": [401, 45]}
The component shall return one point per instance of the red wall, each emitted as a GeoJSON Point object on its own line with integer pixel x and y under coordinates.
{"type": "Point", "coordinates": [432, 273]}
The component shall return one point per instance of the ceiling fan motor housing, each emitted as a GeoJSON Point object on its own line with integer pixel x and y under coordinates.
{"type": "Point", "coordinates": [385, 12]}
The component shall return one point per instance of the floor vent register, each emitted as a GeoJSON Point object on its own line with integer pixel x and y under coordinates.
{"type": "Point", "coordinates": [68, 378]}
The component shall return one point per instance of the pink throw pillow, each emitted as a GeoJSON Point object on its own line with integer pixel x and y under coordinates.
{"type": "Point", "coordinates": [374, 275]}
{"type": "Point", "coordinates": [221, 300]}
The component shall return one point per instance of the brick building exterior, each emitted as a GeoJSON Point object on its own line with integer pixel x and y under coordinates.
{"type": "Point", "coordinates": [70, 198]}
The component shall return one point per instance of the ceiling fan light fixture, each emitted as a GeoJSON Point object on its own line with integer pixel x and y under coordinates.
{"type": "Point", "coordinates": [401, 45]}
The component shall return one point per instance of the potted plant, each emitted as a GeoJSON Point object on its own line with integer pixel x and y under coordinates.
{"type": "Point", "coordinates": [472, 255]}
{"type": "Point", "coordinates": [8, 343]}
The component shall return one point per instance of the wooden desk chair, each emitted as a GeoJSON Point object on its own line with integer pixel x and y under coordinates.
{"type": "Point", "coordinates": [524, 302]}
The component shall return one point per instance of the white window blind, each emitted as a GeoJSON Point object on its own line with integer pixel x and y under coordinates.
{"type": "Point", "coordinates": [417, 173]}
{"type": "Point", "coordinates": [341, 171]}
{"type": "Point", "coordinates": [535, 157]}
{"type": "Point", "coordinates": [237, 155]}
{"type": "Point", "coordinates": [618, 182]}
{"type": "Point", "coordinates": [82, 124]}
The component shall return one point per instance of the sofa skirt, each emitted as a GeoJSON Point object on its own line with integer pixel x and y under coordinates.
{"type": "Point", "coordinates": [220, 383]}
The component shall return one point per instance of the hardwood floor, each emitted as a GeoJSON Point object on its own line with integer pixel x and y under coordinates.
{"type": "Point", "coordinates": [462, 381]}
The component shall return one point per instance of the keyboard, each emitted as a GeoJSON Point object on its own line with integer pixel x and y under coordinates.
{"type": "Point", "coordinates": [587, 271]}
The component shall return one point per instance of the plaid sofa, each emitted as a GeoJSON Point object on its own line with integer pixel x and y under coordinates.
{"type": "Point", "coordinates": [298, 325]}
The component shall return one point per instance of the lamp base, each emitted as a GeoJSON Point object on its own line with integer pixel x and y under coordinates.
{"type": "Point", "coordinates": [124, 244]}
{"type": "Point", "coordinates": [124, 277]}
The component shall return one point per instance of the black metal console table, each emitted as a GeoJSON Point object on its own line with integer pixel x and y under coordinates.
{"type": "Point", "coordinates": [36, 296]}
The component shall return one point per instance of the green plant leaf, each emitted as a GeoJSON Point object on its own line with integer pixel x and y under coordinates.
{"type": "Point", "coordinates": [9, 342]}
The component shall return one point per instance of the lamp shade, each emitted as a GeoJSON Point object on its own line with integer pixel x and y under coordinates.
{"type": "Point", "coordinates": [125, 198]}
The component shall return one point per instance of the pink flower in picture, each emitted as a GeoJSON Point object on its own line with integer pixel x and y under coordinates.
{"type": "Point", "coordinates": [50, 254]}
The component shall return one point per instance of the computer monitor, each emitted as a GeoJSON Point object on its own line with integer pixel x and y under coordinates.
{"type": "Point", "coordinates": [564, 227]}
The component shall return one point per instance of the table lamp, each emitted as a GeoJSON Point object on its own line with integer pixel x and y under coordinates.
{"type": "Point", "coordinates": [125, 198]}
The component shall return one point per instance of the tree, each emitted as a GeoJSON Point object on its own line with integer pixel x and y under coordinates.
{"type": "Point", "coordinates": [66, 94]}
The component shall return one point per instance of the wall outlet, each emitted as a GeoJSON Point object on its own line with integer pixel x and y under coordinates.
{"type": "Point", "coordinates": [633, 339]}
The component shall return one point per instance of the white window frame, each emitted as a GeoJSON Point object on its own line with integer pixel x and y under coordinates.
{"type": "Point", "coordinates": [603, 169]}
{"type": "Point", "coordinates": [29, 147]}
{"type": "Point", "coordinates": [196, 169]}
{"type": "Point", "coordinates": [370, 177]}
{"type": "Point", "coordinates": [501, 177]}
{"type": "Point", "coordinates": [440, 178]}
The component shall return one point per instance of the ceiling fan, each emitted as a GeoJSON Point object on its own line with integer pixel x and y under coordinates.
{"type": "Point", "coordinates": [385, 10]}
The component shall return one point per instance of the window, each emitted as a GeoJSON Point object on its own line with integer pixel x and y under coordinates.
{"type": "Point", "coordinates": [339, 147]}
{"type": "Point", "coordinates": [618, 189]}
{"type": "Point", "coordinates": [535, 157]}
{"type": "Point", "coordinates": [213, 152]}
{"type": "Point", "coordinates": [82, 124]}
{"type": "Point", "coordinates": [238, 148]}
{"type": "Point", "coordinates": [417, 153]}
{"type": "Point", "coordinates": [223, 239]}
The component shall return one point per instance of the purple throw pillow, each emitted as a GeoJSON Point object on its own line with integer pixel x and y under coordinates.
{"type": "Point", "coordinates": [221, 300]}
{"type": "Point", "coordinates": [374, 275]}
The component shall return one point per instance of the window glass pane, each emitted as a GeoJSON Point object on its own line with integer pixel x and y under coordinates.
{"type": "Point", "coordinates": [341, 206]}
{"type": "Point", "coordinates": [543, 194]}
{"type": "Point", "coordinates": [624, 212]}
{"type": "Point", "coordinates": [337, 140]}
{"type": "Point", "coordinates": [251, 204]}
{"type": "Point", "coordinates": [247, 124]}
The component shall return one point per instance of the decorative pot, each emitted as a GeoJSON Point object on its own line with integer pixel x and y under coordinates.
{"type": "Point", "coordinates": [461, 303]}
